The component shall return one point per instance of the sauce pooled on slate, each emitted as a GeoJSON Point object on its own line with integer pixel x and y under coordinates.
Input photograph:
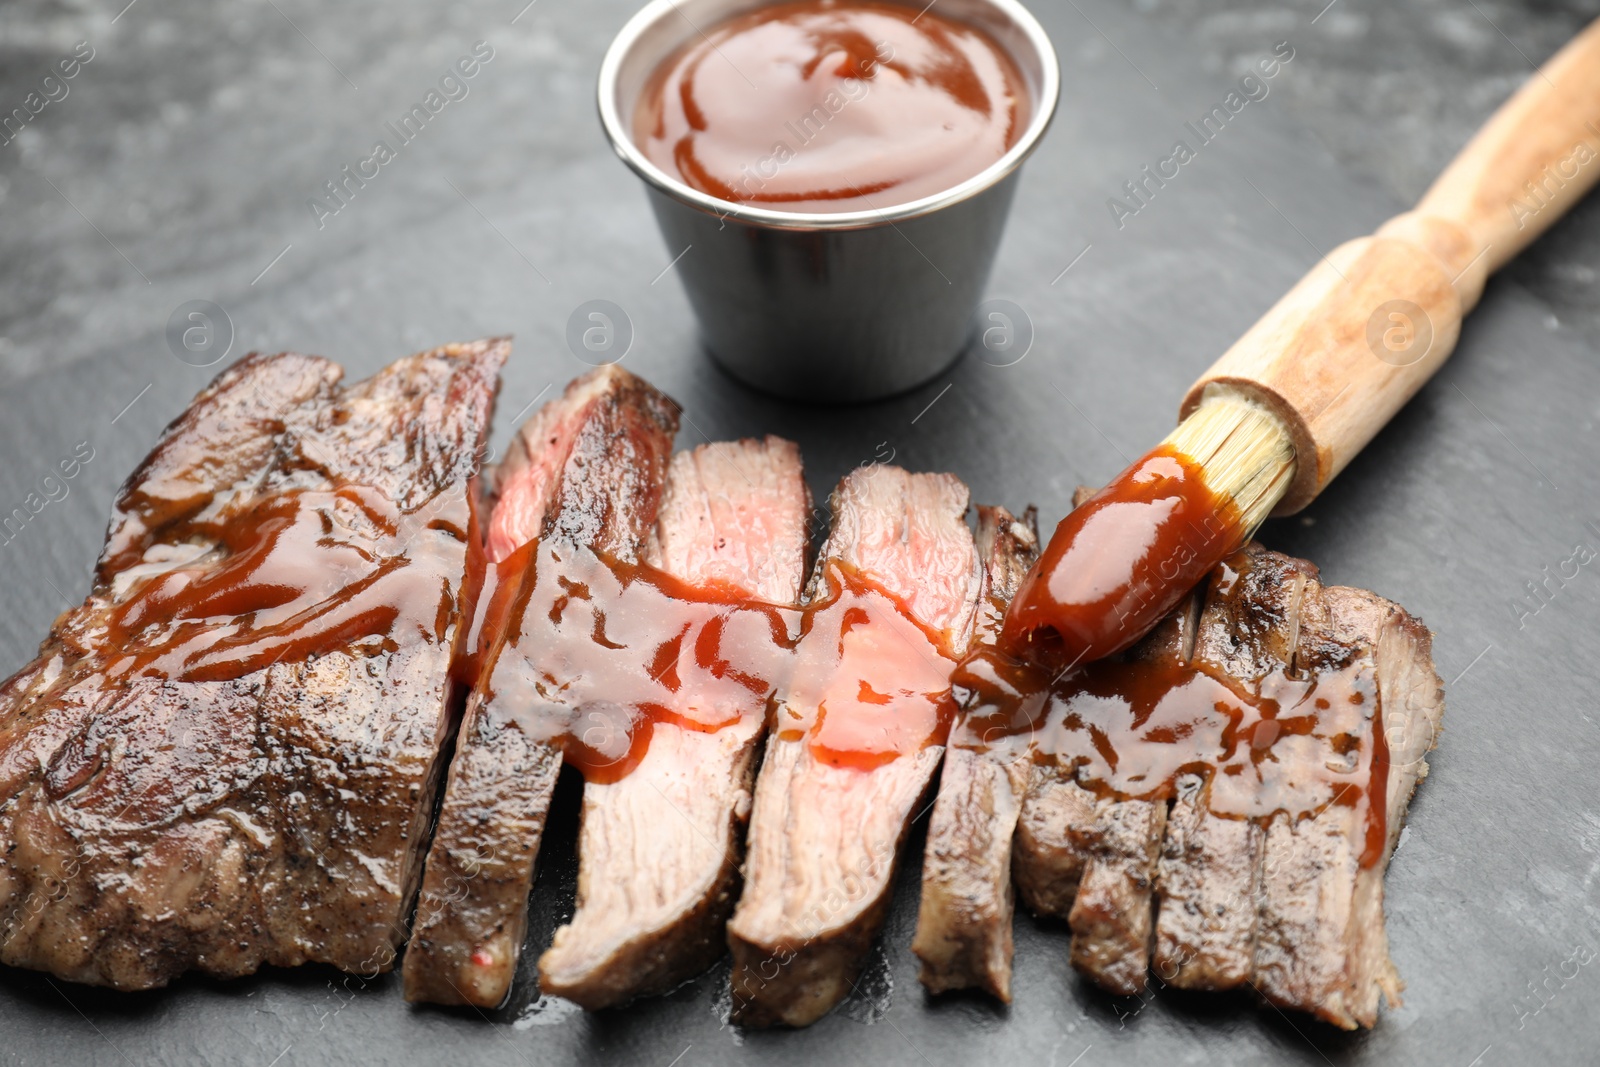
{"type": "Point", "coordinates": [829, 106]}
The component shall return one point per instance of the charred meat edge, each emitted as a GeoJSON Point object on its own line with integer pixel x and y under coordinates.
{"type": "Point", "coordinates": [824, 840]}
{"type": "Point", "coordinates": [1118, 844]}
{"type": "Point", "coordinates": [659, 849]}
{"type": "Point", "coordinates": [964, 922]}
{"type": "Point", "coordinates": [155, 827]}
{"type": "Point", "coordinates": [587, 470]}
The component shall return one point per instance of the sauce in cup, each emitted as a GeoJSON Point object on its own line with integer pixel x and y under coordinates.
{"type": "Point", "coordinates": [830, 106]}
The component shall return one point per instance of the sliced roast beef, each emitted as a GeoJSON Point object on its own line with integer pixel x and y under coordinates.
{"type": "Point", "coordinates": [1270, 874]}
{"type": "Point", "coordinates": [964, 923]}
{"type": "Point", "coordinates": [1047, 860]}
{"type": "Point", "coordinates": [587, 471]}
{"type": "Point", "coordinates": [857, 736]}
{"type": "Point", "coordinates": [1112, 916]}
{"type": "Point", "coordinates": [1210, 873]}
{"type": "Point", "coordinates": [659, 848]}
{"type": "Point", "coordinates": [1266, 869]}
{"type": "Point", "coordinates": [226, 757]}
{"type": "Point", "coordinates": [734, 516]}
{"type": "Point", "coordinates": [1321, 943]}
{"type": "Point", "coordinates": [1209, 880]}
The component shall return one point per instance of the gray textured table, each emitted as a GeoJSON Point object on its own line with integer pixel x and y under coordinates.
{"type": "Point", "coordinates": [179, 165]}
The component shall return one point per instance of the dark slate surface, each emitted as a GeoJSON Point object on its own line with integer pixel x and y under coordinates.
{"type": "Point", "coordinates": [179, 166]}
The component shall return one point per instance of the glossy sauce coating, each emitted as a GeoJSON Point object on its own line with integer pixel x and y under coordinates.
{"type": "Point", "coordinates": [870, 683]}
{"type": "Point", "coordinates": [300, 573]}
{"type": "Point", "coordinates": [496, 590]}
{"type": "Point", "coordinates": [826, 106]}
{"type": "Point", "coordinates": [1290, 745]}
{"type": "Point", "coordinates": [594, 652]}
{"type": "Point", "coordinates": [1123, 559]}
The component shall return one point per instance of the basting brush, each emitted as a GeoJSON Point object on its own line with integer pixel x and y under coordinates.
{"type": "Point", "coordinates": [1292, 402]}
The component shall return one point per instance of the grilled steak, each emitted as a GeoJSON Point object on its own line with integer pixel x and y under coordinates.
{"type": "Point", "coordinates": [226, 757]}
{"type": "Point", "coordinates": [659, 848]}
{"type": "Point", "coordinates": [857, 737]}
{"type": "Point", "coordinates": [586, 471]}
{"type": "Point", "coordinates": [1210, 869]}
{"type": "Point", "coordinates": [1209, 879]}
{"type": "Point", "coordinates": [1321, 944]}
{"type": "Point", "coordinates": [1047, 860]}
{"type": "Point", "coordinates": [1218, 803]}
{"type": "Point", "coordinates": [1118, 843]}
{"type": "Point", "coordinates": [1091, 859]}
{"type": "Point", "coordinates": [734, 515]}
{"type": "Point", "coordinates": [1294, 906]}
{"type": "Point", "coordinates": [964, 924]}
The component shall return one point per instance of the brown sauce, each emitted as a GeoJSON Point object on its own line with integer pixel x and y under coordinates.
{"type": "Point", "coordinates": [870, 682]}
{"type": "Point", "coordinates": [299, 574]}
{"type": "Point", "coordinates": [594, 653]}
{"type": "Point", "coordinates": [826, 106]}
{"type": "Point", "coordinates": [491, 610]}
{"type": "Point", "coordinates": [1123, 559]}
{"type": "Point", "coordinates": [1132, 727]}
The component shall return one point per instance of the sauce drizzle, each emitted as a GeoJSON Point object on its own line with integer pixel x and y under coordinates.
{"type": "Point", "coordinates": [593, 653]}
{"type": "Point", "coordinates": [297, 574]}
{"type": "Point", "coordinates": [870, 682]}
{"type": "Point", "coordinates": [1133, 726]}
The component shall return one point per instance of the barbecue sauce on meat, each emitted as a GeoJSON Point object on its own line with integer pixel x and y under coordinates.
{"type": "Point", "coordinates": [1125, 558]}
{"type": "Point", "coordinates": [594, 651]}
{"type": "Point", "coordinates": [491, 609]}
{"type": "Point", "coordinates": [1131, 727]}
{"type": "Point", "coordinates": [870, 683]}
{"type": "Point", "coordinates": [293, 575]}
{"type": "Point", "coordinates": [831, 105]}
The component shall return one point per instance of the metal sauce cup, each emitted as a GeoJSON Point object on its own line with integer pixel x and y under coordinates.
{"type": "Point", "coordinates": [850, 306]}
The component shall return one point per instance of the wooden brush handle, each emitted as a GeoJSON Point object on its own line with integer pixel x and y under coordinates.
{"type": "Point", "coordinates": [1359, 335]}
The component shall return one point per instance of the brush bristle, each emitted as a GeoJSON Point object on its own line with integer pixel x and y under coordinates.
{"type": "Point", "coordinates": [1245, 450]}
